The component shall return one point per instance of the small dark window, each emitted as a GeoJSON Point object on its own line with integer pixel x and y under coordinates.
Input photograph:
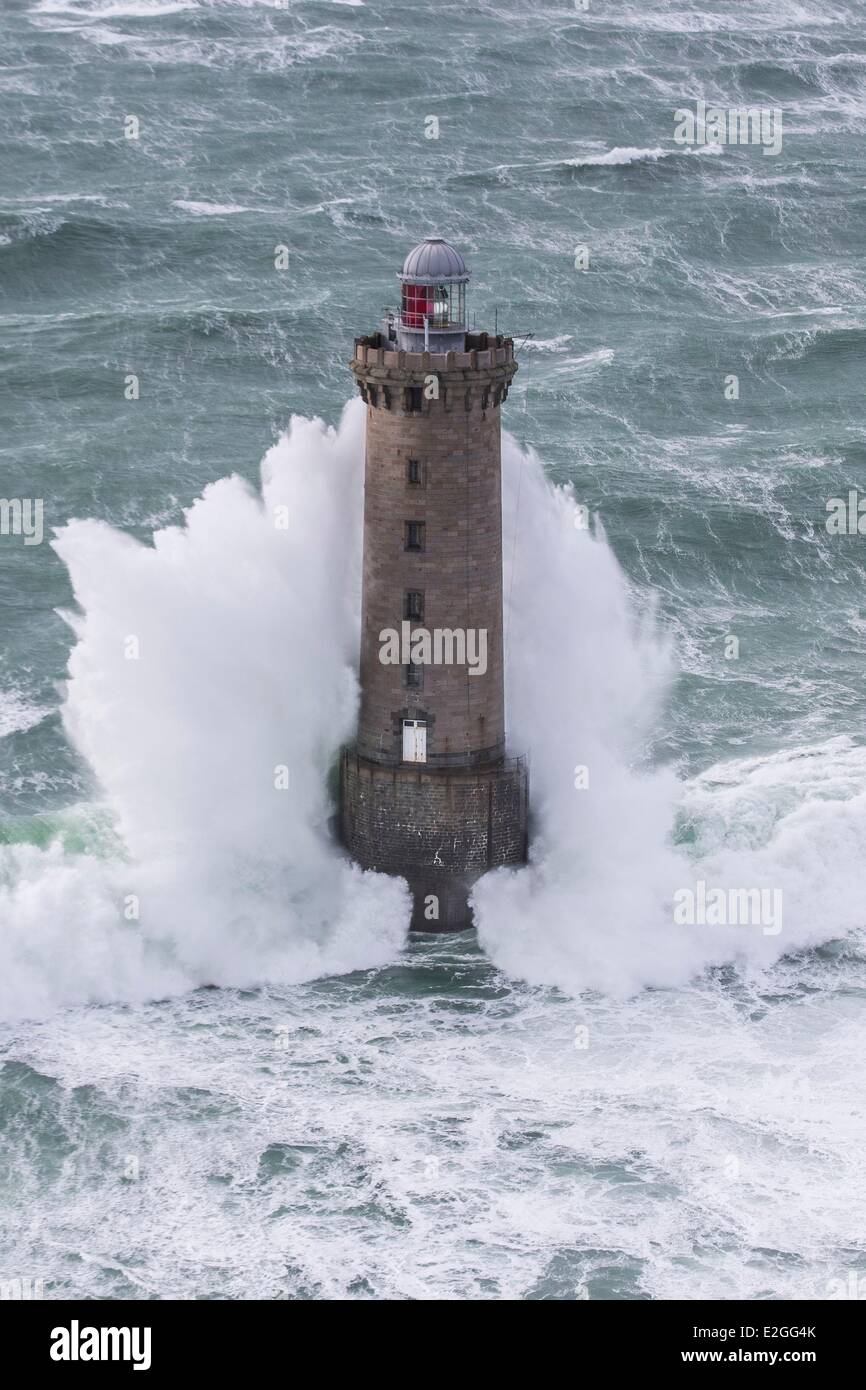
{"type": "Point", "coordinates": [415, 472]}
{"type": "Point", "coordinates": [414, 675]}
{"type": "Point", "coordinates": [415, 535]}
{"type": "Point", "coordinates": [414, 398]}
{"type": "Point", "coordinates": [373, 393]}
{"type": "Point", "coordinates": [485, 398]}
{"type": "Point", "coordinates": [413, 608]}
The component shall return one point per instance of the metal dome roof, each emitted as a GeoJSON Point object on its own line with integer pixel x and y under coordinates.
{"type": "Point", "coordinates": [434, 259]}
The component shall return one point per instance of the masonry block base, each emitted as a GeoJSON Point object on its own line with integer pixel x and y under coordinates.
{"type": "Point", "coordinates": [440, 829]}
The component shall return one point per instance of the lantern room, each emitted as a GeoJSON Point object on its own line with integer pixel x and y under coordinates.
{"type": "Point", "coordinates": [433, 298]}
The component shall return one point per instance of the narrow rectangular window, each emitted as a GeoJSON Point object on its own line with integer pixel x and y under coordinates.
{"type": "Point", "coordinates": [414, 675]}
{"type": "Point", "coordinates": [414, 398]}
{"type": "Point", "coordinates": [414, 741]}
{"type": "Point", "coordinates": [415, 473]}
{"type": "Point", "coordinates": [415, 536]}
{"type": "Point", "coordinates": [413, 608]}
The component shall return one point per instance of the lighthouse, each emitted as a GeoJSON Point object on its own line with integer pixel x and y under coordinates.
{"type": "Point", "coordinates": [430, 789]}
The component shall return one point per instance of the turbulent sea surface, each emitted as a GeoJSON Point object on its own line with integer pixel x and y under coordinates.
{"type": "Point", "coordinates": [226, 1073]}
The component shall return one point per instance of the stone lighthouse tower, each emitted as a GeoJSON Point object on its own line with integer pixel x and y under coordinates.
{"type": "Point", "coordinates": [428, 791]}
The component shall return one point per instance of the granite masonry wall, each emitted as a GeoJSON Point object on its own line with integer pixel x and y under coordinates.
{"type": "Point", "coordinates": [433, 539]}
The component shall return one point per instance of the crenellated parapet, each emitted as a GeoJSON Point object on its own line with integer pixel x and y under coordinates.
{"type": "Point", "coordinates": [396, 380]}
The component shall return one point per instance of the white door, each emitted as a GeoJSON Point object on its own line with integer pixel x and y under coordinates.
{"type": "Point", "coordinates": [414, 741]}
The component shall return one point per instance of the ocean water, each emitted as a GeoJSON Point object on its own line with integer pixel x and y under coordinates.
{"type": "Point", "coordinates": [226, 1071]}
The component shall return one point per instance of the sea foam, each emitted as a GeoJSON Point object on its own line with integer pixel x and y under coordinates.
{"type": "Point", "coordinates": [212, 682]}
{"type": "Point", "coordinates": [246, 639]}
{"type": "Point", "coordinates": [589, 671]}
